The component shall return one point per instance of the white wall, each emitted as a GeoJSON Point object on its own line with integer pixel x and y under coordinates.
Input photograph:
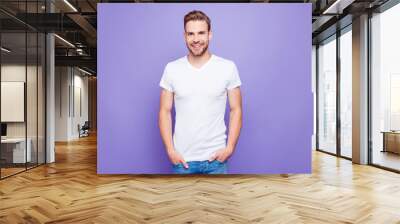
{"type": "Point", "coordinates": [15, 72]}
{"type": "Point", "coordinates": [71, 93]}
{"type": "Point", "coordinates": [79, 112]}
{"type": "Point", "coordinates": [9, 73]}
{"type": "Point", "coordinates": [62, 81]}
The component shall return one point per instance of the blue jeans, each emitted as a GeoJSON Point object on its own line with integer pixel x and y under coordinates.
{"type": "Point", "coordinates": [201, 167]}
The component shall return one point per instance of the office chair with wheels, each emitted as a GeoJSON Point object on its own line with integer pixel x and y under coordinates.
{"type": "Point", "coordinates": [84, 130]}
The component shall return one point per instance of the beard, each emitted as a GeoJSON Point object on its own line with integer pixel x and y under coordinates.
{"type": "Point", "coordinates": [199, 53]}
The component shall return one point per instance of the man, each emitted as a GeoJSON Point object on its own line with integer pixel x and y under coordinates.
{"type": "Point", "coordinates": [199, 83]}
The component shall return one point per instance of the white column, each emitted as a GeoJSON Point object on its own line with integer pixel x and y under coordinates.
{"type": "Point", "coordinates": [360, 90]}
{"type": "Point", "coordinates": [50, 92]}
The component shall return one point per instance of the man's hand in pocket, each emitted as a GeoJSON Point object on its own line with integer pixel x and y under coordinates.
{"type": "Point", "coordinates": [176, 158]}
{"type": "Point", "coordinates": [222, 155]}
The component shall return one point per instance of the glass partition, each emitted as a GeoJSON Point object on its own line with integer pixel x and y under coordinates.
{"type": "Point", "coordinates": [14, 153]}
{"type": "Point", "coordinates": [22, 89]}
{"type": "Point", "coordinates": [32, 95]}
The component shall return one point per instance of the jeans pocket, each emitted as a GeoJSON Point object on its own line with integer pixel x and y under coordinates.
{"type": "Point", "coordinates": [217, 167]}
{"type": "Point", "coordinates": [220, 161]}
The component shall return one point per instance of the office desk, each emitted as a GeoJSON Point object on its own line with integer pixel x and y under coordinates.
{"type": "Point", "coordinates": [13, 150]}
{"type": "Point", "coordinates": [391, 141]}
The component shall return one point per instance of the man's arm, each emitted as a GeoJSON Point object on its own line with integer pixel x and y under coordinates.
{"type": "Point", "coordinates": [165, 124]}
{"type": "Point", "coordinates": [235, 124]}
{"type": "Point", "coordinates": [235, 117]}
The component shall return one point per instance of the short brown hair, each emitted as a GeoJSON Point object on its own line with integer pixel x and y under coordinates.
{"type": "Point", "coordinates": [196, 15]}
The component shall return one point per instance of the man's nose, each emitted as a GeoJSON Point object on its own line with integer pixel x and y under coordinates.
{"type": "Point", "coordinates": [196, 38]}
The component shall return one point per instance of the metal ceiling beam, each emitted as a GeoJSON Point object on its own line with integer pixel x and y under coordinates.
{"type": "Point", "coordinates": [82, 61]}
{"type": "Point", "coordinates": [84, 24]}
{"type": "Point", "coordinates": [332, 28]}
{"type": "Point", "coordinates": [91, 5]}
{"type": "Point", "coordinates": [320, 22]}
{"type": "Point", "coordinates": [44, 22]}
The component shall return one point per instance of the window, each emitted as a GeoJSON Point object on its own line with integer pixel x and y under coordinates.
{"type": "Point", "coordinates": [385, 88]}
{"type": "Point", "coordinates": [346, 93]}
{"type": "Point", "coordinates": [327, 95]}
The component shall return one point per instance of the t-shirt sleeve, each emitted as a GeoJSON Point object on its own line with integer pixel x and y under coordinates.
{"type": "Point", "coordinates": [166, 81]}
{"type": "Point", "coordinates": [234, 79]}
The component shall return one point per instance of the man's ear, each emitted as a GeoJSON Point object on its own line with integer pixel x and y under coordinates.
{"type": "Point", "coordinates": [210, 35]}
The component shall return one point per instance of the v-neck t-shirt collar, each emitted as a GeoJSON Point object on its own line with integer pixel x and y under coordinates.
{"type": "Point", "coordinates": [202, 67]}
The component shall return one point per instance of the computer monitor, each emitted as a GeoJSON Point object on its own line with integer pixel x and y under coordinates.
{"type": "Point", "coordinates": [3, 129]}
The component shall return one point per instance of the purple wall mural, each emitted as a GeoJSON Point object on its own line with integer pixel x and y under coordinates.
{"type": "Point", "coordinates": [271, 46]}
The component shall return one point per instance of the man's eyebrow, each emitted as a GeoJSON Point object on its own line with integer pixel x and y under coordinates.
{"type": "Point", "coordinates": [200, 32]}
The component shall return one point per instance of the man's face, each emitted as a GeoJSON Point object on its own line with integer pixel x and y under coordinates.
{"type": "Point", "coordinates": [197, 37]}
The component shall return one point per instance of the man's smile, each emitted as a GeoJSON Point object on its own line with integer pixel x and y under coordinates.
{"type": "Point", "coordinates": [197, 46]}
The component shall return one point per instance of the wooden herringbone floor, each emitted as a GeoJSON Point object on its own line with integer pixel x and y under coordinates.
{"type": "Point", "coordinates": [70, 191]}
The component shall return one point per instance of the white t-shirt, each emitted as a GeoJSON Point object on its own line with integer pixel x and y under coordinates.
{"type": "Point", "coordinates": [200, 96]}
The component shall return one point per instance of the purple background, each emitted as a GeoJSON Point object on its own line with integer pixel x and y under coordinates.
{"type": "Point", "coordinates": [271, 46]}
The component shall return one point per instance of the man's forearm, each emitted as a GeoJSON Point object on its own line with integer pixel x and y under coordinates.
{"type": "Point", "coordinates": [235, 124]}
{"type": "Point", "coordinates": [165, 123]}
